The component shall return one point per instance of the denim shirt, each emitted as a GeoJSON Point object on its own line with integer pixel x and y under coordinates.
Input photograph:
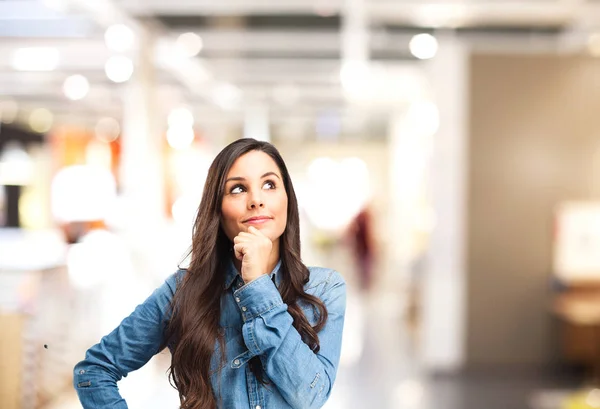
{"type": "Point", "coordinates": [255, 322]}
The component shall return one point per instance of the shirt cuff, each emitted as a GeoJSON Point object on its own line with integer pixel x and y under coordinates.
{"type": "Point", "coordinates": [257, 297]}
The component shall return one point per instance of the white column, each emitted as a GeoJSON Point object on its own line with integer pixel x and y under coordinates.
{"type": "Point", "coordinates": [354, 71]}
{"type": "Point", "coordinates": [444, 303]}
{"type": "Point", "coordinates": [142, 167]}
{"type": "Point", "coordinates": [355, 35]}
{"type": "Point", "coordinates": [142, 172]}
{"type": "Point", "coordinates": [409, 153]}
{"type": "Point", "coordinates": [256, 123]}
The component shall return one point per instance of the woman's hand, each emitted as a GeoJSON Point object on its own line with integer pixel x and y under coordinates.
{"type": "Point", "coordinates": [253, 249]}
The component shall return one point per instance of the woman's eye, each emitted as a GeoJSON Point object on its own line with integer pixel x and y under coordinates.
{"type": "Point", "coordinates": [269, 185]}
{"type": "Point", "coordinates": [236, 189]}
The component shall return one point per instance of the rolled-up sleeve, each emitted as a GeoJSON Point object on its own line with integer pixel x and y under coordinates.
{"type": "Point", "coordinates": [127, 348]}
{"type": "Point", "coordinates": [304, 378]}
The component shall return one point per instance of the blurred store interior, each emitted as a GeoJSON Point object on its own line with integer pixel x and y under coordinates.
{"type": "Point", "coordinates": [446, 157]}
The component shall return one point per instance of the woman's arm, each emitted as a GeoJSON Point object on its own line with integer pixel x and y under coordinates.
{"type": "Point", "coordinates": [303, 378]}
{"type": "Point", "coordinates": [127, 348]}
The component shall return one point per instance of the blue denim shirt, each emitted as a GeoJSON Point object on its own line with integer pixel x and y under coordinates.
{"type": "Point", "coordinates": [255, 323]}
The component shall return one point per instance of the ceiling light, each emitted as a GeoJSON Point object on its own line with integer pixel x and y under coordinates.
{"type": "Point", "coordinates": [41, 120]}
{"type": "Point", "coordinates": [227, 96]}
{"type": "Point", "coordinates": [119, 68]}
{"type": "Point", "coordinates": [189, 44]}
{"type": "Point", "coordinates": [8, 111]}
{"type": "Point", "coordinates": [180, 118]}
{"type": "Point", "coordinates": [35, 59]}
{"type": "Point", "coordinates": [107, 129]}
{"type": "Point", "coordinates": [423, 46]}
{"type": "Point", "coordinates": [16, 165]}
{"type": "Point", "coordinates": [119, 37]}
{"type": "Point", "coordinates": [76, 87]}
{"type": "Point", "coordinates": [180, 138]}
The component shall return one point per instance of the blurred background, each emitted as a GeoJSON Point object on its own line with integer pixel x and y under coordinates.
{"type": "Point", "coordinates": [446, 157]}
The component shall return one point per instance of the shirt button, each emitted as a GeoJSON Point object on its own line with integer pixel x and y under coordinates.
{"type": "Point", "coordinates": [81, 372]}
{"type": "Point", "coordinates": [244, 308]}
{"type": "Point", "coordinates": [236, 362]}
{"type": "Point", "coordinates": [237, 299]}
{"type": "Point", "coordinates": [257, 406]}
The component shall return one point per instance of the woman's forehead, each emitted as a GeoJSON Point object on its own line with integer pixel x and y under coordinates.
{"type": "Point", "coordinates": [253, 164]}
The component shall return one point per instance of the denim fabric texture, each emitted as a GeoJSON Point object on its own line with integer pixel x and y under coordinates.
{"type": "Point", "coordinates": [255, 322]}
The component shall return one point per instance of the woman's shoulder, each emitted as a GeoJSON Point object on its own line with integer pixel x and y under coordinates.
{"type": "Point", "coordinates": [323, 276]}
{"type": "Point", "coordinates": [173, 280]}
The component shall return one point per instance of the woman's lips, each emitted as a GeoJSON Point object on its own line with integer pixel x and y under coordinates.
{"type": "Point", "coordinates": [257, 220]}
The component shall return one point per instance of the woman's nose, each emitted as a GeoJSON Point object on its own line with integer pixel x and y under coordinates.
{"type": "Point", "coordinates": [255, 201]}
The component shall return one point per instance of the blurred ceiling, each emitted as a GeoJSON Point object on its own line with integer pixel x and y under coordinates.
{"type": "Point", "coordinates": [284, 55]}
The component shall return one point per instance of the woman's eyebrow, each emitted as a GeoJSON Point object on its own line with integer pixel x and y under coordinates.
{"type": "Point", "coordinates": [240, 178]}
{"type": "Point", "coordinates": [237, 178]}
{"type": "Point", "coordinates": [270, 174]}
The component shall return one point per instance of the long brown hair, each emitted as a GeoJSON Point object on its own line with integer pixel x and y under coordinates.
{"type": "Point", "coordinates": [193, 330]}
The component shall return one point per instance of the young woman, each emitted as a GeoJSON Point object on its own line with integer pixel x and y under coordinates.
{"type": "Point", "coordinates": [248, 325]}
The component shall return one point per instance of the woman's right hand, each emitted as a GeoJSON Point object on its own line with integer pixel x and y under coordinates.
{"type": "Point", "coordinates": [253, 249]}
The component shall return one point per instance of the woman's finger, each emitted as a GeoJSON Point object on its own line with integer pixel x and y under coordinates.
{"type": "Point", "coordinates": [255, 232]}
{"type": "Point", "coordinates": [241, 239]}
{"type": "Point", "coordinates": [239, 250]}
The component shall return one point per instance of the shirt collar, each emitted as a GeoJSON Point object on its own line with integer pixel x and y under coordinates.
{"type": "Point", "coordinates": [231, 273]}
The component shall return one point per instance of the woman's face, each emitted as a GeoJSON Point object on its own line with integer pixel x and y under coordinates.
{"type": "Point", "coordinates": [254, 196]}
